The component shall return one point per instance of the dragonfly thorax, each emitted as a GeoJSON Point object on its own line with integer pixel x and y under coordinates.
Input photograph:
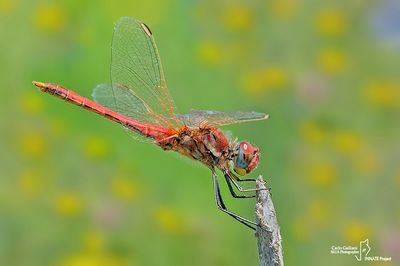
{"type": "Point", "coordinates": [206, 144]}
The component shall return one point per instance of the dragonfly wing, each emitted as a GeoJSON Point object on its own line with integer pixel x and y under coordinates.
{"type": "Point", "coordinates": [122, 101]}
{"type": "Point", "coordinates": [219, 118]}
{"type": "Point", "coordinates": [136, 67]}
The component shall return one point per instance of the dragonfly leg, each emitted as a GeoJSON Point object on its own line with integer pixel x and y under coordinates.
{"type": "Point", "coordinates": [233, 193]}
{"type": "Point", "coordinates": [228, 175]}
{"type": "Point", "coordinates": [242, 180]}
{"type": "Point", "coordinates": [247, 179]}
{"type": "Point", "coordinates": [221, 206]}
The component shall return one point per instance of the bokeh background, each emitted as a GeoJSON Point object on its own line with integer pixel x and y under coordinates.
{"type": "Point", "coordinates": [75, 190]}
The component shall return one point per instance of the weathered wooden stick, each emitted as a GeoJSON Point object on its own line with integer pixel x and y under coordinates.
{"type": "Point", "coordinates": [268, 234]}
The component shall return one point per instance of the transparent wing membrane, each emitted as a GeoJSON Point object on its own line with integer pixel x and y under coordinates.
{"type": "Point", "coordinates": [120, 100]}
{"type": "Point", "coordinates": [219, 118]}
{"type": "Point", "coordinates": [136, 67]}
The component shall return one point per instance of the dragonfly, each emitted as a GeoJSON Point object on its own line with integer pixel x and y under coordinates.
{"type": "Point", "coordinates": [138, 99]}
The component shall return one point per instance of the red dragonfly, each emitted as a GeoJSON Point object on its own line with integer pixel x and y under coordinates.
{"type": "Point", "coordinates": [138, 99]}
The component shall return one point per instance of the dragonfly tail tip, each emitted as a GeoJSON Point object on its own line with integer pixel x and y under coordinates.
{"type": "Point", "coordinates": [39, 84]}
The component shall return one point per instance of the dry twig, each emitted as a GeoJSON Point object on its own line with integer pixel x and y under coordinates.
{"type": "Point", "coordinates": [268, 234]}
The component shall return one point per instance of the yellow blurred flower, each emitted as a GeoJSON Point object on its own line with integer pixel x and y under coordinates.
{"type": "Point", "coordinates": [7, 6]}
{"type": "Point", "coordinates": [95, 147]}
{"type": "Point", "coordinates": [238, 18]}
{"type": "Point", "coordinates": [32, 103]}
{"type": "Point", "coordinates": [31, 183]}
{"type": "Point", "coordinates": [94, 241]}
{"type": "Point", "coordinates": [274, 77]}
{"type": "Point", "coordinates": [92, 260]}
{"type": "Point", "coordinates": [68, 204]}
{"type": "Point", "coordinates": [168, 220]}
{"type": "Point", "coordinates": [32, 145]}
{"type": "Point", "coordinates": [49, 18]}
{"type": "Point", "coordinates": [125, 189]}
{"type": "Point", "coordinates": [209, 52]}
{"type": "Point", "coordinates": [266, 79]}
{"type": "Point", "coordinates": [312, 133]}
{"type": "Point", "coordinates": [283, 8]}
{"type": "Point", "coordinates": [322, 174]}
{"type": "Point", "coordinates": [332, 61]}
{"type": "Point", "coordinates": [383, 94]}
{"type": "Point", "coordinates": [347, 142]}
{"type": "Point", "coordinates": [354, 232]}
{"type": "Point", "coordinates": [319, 212]}
{"type": "Point", "coordinates": [331, 22]}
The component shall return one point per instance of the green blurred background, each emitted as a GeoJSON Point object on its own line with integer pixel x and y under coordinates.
{"type": "Point", "coordinates": [75, 190]}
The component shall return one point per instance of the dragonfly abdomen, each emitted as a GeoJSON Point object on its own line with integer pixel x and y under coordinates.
{"type": "Point", "coordinates": [146, 130]}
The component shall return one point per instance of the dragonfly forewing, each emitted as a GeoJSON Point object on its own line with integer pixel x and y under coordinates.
{"type": "Point", "coordinates": [219, 118]}
{"type": "Point", "coordinates": [136, 66]}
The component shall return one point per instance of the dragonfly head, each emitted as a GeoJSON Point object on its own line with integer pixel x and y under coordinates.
{"type": "Point", "coordinates": [245, 158]}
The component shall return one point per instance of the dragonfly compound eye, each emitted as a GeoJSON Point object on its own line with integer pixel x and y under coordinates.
{"type": "Point", "coordinates": [246, 158]}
